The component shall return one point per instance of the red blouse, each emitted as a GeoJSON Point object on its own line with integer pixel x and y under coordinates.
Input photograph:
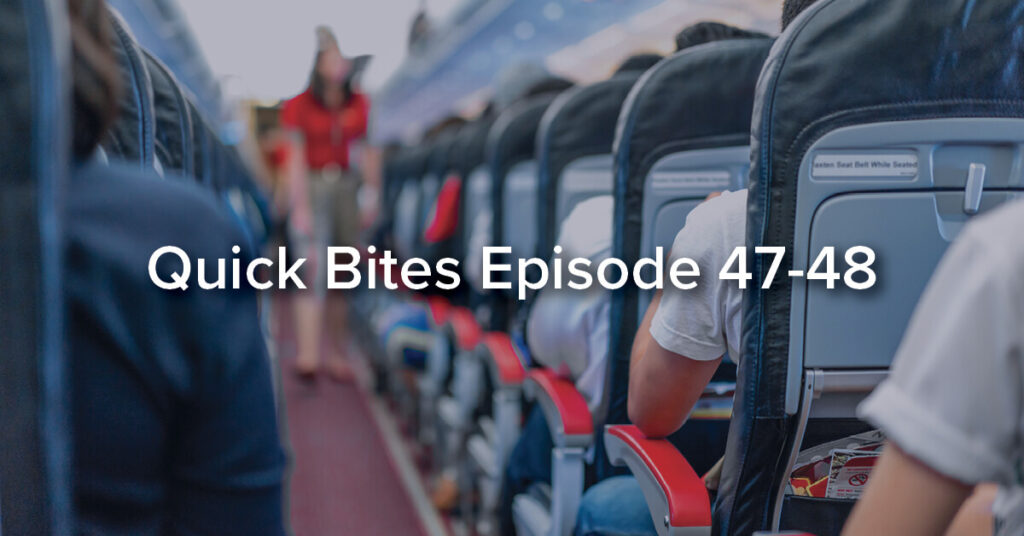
{"type": "Point", "coordinates": [327, 133]}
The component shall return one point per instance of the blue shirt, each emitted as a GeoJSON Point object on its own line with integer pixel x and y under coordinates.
{"type": "Point", "coordinates": [173, 414]}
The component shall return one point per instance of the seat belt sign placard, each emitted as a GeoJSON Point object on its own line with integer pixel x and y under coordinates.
{"type": "Point", "coordinates": [713, 179]}
{"type": "Point", "coordinates": [890, 165]}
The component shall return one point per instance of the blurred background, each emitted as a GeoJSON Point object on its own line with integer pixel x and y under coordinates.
{"type": "Point", "coordinates": [431, 58]}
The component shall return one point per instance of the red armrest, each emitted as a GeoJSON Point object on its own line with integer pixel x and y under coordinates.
{"type": "Point", "coordinates": [505, 362]}
{"type": "Point", "coordinates": [465, 327]}
{"type": "Point", "coordinates": [440, 310]}
{"type": "Point", "coordinates": [674, 492]}
{"type": "Point", "coordinates": [446, 212]}
{"type": "Point", "coordinates": [564, 408]}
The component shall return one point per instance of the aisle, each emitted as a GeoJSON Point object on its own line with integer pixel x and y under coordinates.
{"type": "Point", "coordinates": [343, 480]}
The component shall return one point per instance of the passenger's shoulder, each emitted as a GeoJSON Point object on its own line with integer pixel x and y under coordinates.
{"type": "Point", "coordinates": [997, 235]}
{"type": "Point", "coordinates": [724, 217]}
{"type": "Point", "coordinates": [137, 210]}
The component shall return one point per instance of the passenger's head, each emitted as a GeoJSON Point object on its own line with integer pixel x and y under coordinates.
{"type": "Point", "coordinates": [791, 9]}
{"type": "Point", "coordinates": [707, 32]}
{"type": "Point", "coordinates": [638, 62]}
{"type": "Point", "coordinates": [95, 74]}
{"type": "Point", "coordinates": [329, 81]}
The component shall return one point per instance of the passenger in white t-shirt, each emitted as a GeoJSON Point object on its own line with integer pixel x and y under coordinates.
{"type": "Point", "coordinates": [953, 407]}
{"type": "Point", "coordinates": [567, 329]}
{"type": "Point", "coordinates": [686, 333]}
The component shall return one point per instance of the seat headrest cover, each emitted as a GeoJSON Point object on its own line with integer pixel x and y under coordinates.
{"type": "Point", "coordinates": [132, 135]}
{"type": "Point", "coordinates": [580, 123]}
{"type": "Point", "coordinates": [173, 118]}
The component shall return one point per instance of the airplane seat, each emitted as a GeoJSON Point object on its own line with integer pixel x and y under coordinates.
{"type": "Point", "coordinates": [201, 169]}
{"type": "Point", "coordinates": [407, 207]}
{"type": "Point", "coordinates": [35, 150]}
{"type": "Point", "coordinates": [512, 161]}
{"type": "Point", "coordinates": [456, 326]}
{"type": "Point", "coordinates": [133, 136]}
{"type": "Point", "coordinates": [906, 128]}
{"type": "Point", "coordinates": [574, 148]}
{"type": "Point", "coordinates": [173, 119]}
{"type": "Point", "coordinates": [674, 131]}
{"type": "Point", "coordinates": [496, 360]}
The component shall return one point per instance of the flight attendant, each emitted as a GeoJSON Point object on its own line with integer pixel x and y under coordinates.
{"type": "Point", "coordinates": [321, 123]}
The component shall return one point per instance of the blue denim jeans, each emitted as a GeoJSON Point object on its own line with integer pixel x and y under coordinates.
{"type": "Point", "coordinates": [614, 507]}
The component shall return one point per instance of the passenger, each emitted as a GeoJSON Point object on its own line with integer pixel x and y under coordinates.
{"type": "Point", "coordinates": [683, 337]}
{"type": "Point", "coordinates": [322, 121]}
{"type": "Point", "coordinates": [173, 416]}
{"type": "Point", "coordinates": [567, 330]}
{"type": "Point", "coordinates": [952, 407]}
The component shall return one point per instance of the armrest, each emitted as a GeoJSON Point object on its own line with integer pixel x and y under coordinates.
{"type": "Point", "coordinates": [465, 328]}
{"type": "Point", "coordinates": [502, 358]}
{"type": "Point", "coordinates": [676, 496]}
{"type": "Point", "coordinates": [564, 408]}
{"type": "Point", "coordinates": [440, 310]}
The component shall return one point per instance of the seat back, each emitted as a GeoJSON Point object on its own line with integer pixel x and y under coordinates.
{"type": "Point", "coordinates": [173, 119]}
{"type": "Point", "coordinates": [469, 161]}
{"type": "Point", "coordinates": [682, 134]}
{"type": "Point", "coordinates": [878, 124]}
{"type": "Point", "coordinates": [132, 138]}
{"type": "Point", "coordinates": [513, 169]}
{"type": "Point", "coordinates": [574, 151]}
{"type": "Point", "coordinates": [202, 170]}
{"type": "Point", "coordinates": [35, 476]}
{"type": "Point", "coordinates": [407, 205]}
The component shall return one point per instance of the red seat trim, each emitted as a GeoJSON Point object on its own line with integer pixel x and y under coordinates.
{"type": "Point", "coordinates": [467, 331]}
{"type": "Point", "coordinates": [506, 359]}
{"type": "Point", "coordinates": [446, 211]}
{"type": "Point", "coordinates": [688, 502]}
{"type": "Point", "coordinates": [572, 407]}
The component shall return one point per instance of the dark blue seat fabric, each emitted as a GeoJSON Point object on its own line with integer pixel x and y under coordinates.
{"type": "Point", "coordinates": [579, 124]}
{"type": "Point", "coordinates": [843, 64]}
{"type": "Point", "coordinates": [173, 120]}
{"type": "Point", "coordinates": [511, 141]}
{"type": "Point", "coordinates": [698, 99]}
{"type": "Point", "coordinates": [173, 411]}
{"type": "Point", "coordinates": [35, 148]}
{"type": "Point", "coordinates": [132, 138]}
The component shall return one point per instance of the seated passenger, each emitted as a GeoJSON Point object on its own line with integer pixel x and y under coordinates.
{"type": "Point", "coordinates": [567, 330]}
{"type": "Point", "coordinates": [682, 339]}
{"type": "Point", "coordinates": [952, 407]}
{"type": "Point", "coordinates": [173, 416]}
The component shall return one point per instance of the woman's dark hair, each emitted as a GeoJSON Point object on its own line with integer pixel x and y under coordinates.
{"type": "Point", "coordinates": [707, 32]}
{"type": "Point", "coordinates": [97, 83]}
{"type": "Point", "coordinates": [791, 9]}
{"type": "Point", "coordinates": [318, 86]}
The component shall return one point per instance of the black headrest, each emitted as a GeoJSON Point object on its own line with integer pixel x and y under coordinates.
{"type": "Point", "coordinates": [580, 123]}
{"type": "Point", "coordinates": [201, 168]}
{"type": "Point", "coordinates": [512, 140]}
{"type": "Point", "coordinates": [700, 98]}
{"type": "Point", "coordinates": [35, 153]}
{"type": "Point", "coordinates": [844, 63]}
{"type": "Point", "coordinates": [469, 152]}
{"type": "Point", "coordinates": [639, 62]}
{"type": "Point", "coordinates": [441, 152]}
{"type": "Point", "coordinates": [132, 137]}
{"type": "Point", "coordinates": [174, 138]}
